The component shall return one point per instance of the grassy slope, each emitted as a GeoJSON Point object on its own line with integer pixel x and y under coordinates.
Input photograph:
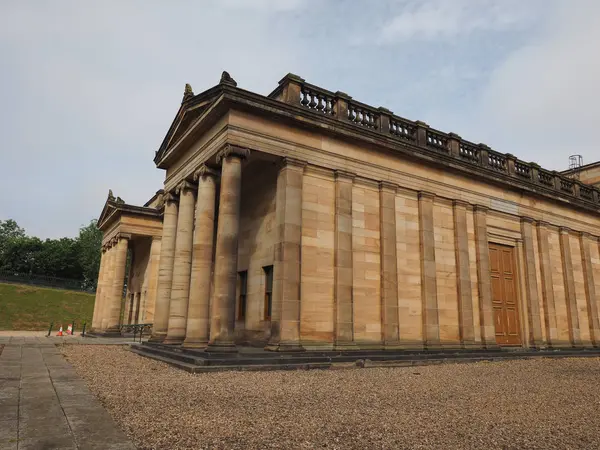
{"type": "Point", "coordinates": [33, 308]}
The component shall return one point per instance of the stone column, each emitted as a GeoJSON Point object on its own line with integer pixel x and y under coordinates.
{"type": "Point", "coordinates": [108, 284]}
{"type": "Point", "coordinates": [198, 317]}
{"type": "Point", "coordinates": [484, 282]}
{"type": "Point", "coordinates": [431, 324]}
{"type": "Point", "coordinates": [569, 279]}
{"type": "Point", "coordinates": [165, 269]}
{"type": "Point", "coordinates": [96, 318]}
{"type": "Point", "coordinates": [182, 265]}
{"type": "Point", "coordinates": [463, 275]}
{"type": "Point", "coordinates": [547, 286]}
{"type": "Point", "coordinates": [389, 265]}
{"type": "Point", "coordinates": [151, 281]}
{"type": "Point", "coordinates": [533, 300]}
{"type": "Point", "coordinates": [228, 226]}
{"type": "Point", "coordinates": [590, 288]}
{"type": "Point", "coordinates": [285, 314]}
{"type": "Point", "coordinates": [114, 301]}
{"type": "Point", "coordinates": [344, 329]}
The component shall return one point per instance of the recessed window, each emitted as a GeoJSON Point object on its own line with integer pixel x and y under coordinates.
{"type": "Point", "coordinates": [268, 291]}
{"type": "Point", "coordinates": [243, 277]}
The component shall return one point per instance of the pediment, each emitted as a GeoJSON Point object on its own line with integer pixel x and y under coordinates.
{"type": "Point", "coordinates": [189, 112]}
{"type": "Point", "coordinates": [110, 207]}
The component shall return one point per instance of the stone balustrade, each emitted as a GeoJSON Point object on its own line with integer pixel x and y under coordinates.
{"type": "Point", "coordinates": [294, 90]}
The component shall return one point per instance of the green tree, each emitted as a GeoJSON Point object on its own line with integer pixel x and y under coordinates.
{"type": "Point", "coordinates": [9, 230]}
{"type": "Point", "coordinates": [90, 251]}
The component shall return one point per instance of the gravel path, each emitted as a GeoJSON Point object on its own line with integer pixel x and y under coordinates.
{"type": "Point", "coordinates": [514, 404]}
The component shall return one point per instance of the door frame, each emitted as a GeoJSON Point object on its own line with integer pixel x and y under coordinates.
{"type": "Point", "coordinates": [519, 267]}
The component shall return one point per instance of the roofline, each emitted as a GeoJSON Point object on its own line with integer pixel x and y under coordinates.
{"type": "Point", "coordinates": [580, 168]}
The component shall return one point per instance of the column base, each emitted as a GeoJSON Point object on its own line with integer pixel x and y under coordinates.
{"type": "Point", "coordinates": [173, 340]}
{"type": "Point", "coordinates": [283, 346]}
{"type": "Point", "coordinates": [471, 345]}
{"type": "Point", "coordinates": [157, 337]}
{"type": "Point", "coordinates": [221, 347]}
{"type": "Point", "coordinates": [193, 343]}
{"type": "Point", "coordinates": [343, 346]}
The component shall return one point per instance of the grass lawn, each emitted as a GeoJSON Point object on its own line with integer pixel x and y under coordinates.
{"type": "Point", "coordinates": [33, 308]}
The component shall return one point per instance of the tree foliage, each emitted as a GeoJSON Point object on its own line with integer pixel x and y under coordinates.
{"type": "Point", "coordinates": [76, 258]}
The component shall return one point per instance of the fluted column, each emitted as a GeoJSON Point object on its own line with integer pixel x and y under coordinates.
{"type": "Point", "coordinates": [285, 313]}
{"type": "Point", "coordinates": [463, 275]}
{"type": "Point", "coordinates": [96, 318]}
{"type": "Point", "coordinates": [547, 285]}
{"type": "Point", "coordinates": [484, 282]}
{"type": "Point", "coordinates": [590, 287]}
{"type": "Point", "coordinates": [198, 316]}
{"type": "Point", "coordinates": [165, 269]}
{"type": "Point", "coordinates": [569, 280]}
{"type": "Point", "coordinates": [228, 225]}
{"type": "Point", "coordinates": [431, 324]}
{"type": "Point", "coordinates": [533, 300]}
{"type": "Point", "coordinates": [109, 277]}
{"type": "Point", "coordinates": [344, 328]}
{"type": "Point", "coordinates": [182, 265]}
{"type": "Point", "coordinates": [389, 265]}
{"type": "Point", "coordinates": [114, 306]}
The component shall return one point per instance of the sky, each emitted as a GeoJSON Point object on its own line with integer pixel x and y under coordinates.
{"type": "Point", "coordinates": [89, 89]}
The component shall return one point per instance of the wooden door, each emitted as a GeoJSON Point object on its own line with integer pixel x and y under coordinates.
{"type": "Point", "coordinates": [504, 294]}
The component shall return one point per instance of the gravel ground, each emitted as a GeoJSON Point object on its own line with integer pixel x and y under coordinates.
{"type": "Point", "coordinates": [540, 403]}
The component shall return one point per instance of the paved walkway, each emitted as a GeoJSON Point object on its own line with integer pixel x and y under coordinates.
{"type": "Point", "coordinates": [45, 405]}
{"type": "Point", "coordinates": [39, 338]}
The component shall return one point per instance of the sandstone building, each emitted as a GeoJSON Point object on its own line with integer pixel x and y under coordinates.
{"type": "Point", "coordinates": [308, 220]}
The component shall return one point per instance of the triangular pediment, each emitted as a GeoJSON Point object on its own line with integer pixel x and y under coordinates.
{"type": "Point", "coordinates": [189, 112]}
{"type": "Point", "coordinates": [110, 207]}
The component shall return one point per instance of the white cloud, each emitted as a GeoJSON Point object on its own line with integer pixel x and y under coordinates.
{"type": "Point", "coordinates": [440, 19]}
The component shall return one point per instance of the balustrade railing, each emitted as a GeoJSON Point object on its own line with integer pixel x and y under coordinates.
{"type": "Point", "coordinates": [294, 90]}
{"type": "Point", "coordinates": [469, 152]}
{"type": "Point", "coordinates": [403, 129]}
{"type": "Point", "coordinates": [523, 170]}
{"type": "Point", "coordinates": [437, 140]}
{"type": "Point", "coordinates": [317, 100]}
{"type": "Point", "coordinates": [363, 116]}
{"type": "Point", "coordinates": [497, 161]}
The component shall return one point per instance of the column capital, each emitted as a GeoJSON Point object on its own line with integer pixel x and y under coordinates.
{"type": "Point", "coordinates": [113, 241]}
{"type": "Point", "coordinates": [585, 234]}
{"type": "Point", "coordinates": [343, 175]}
{"type": "Point", "coordinates": [480, 209]}
{"type": "Point", "coordinates": [287, 161]}
{"type": "Point", "coordinates": [564, 230]}
{"type": "Point", "coordinates": [205, 171]}
{"type": "Point", "coordinates": [426, 195]}
{"type": "Point", "coordinates": [126, 236]}
{"type": "Point", "coordinates": [184, 185]}
{"type": "Point", "coordinates": [526, 219]}
{"type": "Point", "coordinates": [232, 150]}
{"type": "Point", "coordinates": [460, 203]}
{"type": "Point", "coordinates": [388, 186]}
{"type": "Point", "coordinates": [170, 197]}
{"type": "Point", "coordinates": [543, 224]}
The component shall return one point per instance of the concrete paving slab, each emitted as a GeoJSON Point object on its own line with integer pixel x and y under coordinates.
{"type": "Point", "coordinates": [44, 404]}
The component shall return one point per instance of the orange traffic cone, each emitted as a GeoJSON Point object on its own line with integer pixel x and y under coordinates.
{"type": "Point", "coordinates": [70, 329]}
{"type": "Point", "coordinates": [60, 331]}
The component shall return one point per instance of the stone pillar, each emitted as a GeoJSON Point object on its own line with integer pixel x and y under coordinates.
{"type": "Point", "coordinates": [431, 324]}
{"type": "Point", "coordinates": [96, 318]}
{"type": "Point", "coordinates": [151, 281]}
{"type": "Point", "coordinates": [484, 282]}
{"type": "Point", "coordinates": [198, 316]}
{"type": "Point", "coordinates": [108, 283]}
{"type": "Point", "coordinates": [114, 301]}
{"type": "Point", "coordinates": [463, 276]}
{"type": "Point", "coordinates": [569, 279]}
{"type": "Point", "coordinates": [547, 286]}
{"type": "Point", "coordinates": [344, 328]}
{"type": "Point", "coordinates": [531, 287]}
{"type": "Point", "coordinates": [590, 288]}
{"type": "Point", "coordinates": [389, 265]}
{"type": "Point", "coordinates": [165, 269]}
{"type": "Point", "coordinates": [182, 265]}
{"type": "Point", "coordinates": [285, 314]}
{"type": "Point", "coordinates": [228, 225]}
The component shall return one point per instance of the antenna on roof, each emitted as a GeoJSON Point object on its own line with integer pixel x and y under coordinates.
{"type": "Point", "coordinates": [575, 162]}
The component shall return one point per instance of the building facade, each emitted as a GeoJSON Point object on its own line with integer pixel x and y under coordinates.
{"type": "Point", "coordinates": [307, 220]}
